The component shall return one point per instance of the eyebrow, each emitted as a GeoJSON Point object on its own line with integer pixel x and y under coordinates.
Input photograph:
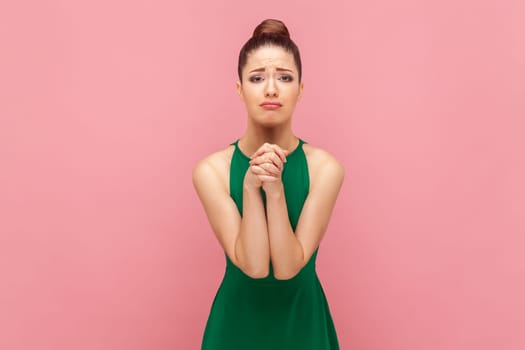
{"type": "Point", "coordinates": [278, 68]}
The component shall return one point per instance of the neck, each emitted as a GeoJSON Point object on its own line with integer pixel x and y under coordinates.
{"type": "Point", "coordinates": [255, 136]}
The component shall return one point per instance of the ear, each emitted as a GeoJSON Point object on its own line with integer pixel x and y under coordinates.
{"type": "Point", "coordinates": [301, 87]}
{"type": "Point", "coordinates": [238, 86]}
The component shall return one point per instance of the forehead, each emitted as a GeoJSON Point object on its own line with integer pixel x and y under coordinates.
{"type": "Point", "coordinates": [270, 56]}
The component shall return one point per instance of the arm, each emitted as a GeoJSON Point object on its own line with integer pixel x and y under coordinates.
{"type": "Point", "coordinates": [252, 246]}
{"type": "Point", "coordinates": [244, 240]}
{"type": "Point", "coordinates": [289, 252]}
{"type": "Point", "coordinates": [286, 250]}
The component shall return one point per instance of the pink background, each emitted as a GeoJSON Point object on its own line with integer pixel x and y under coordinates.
{"type": "Point", "coordinates": [106, 106]}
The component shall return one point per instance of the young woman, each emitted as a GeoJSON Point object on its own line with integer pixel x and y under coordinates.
{"type": "Point", "coordinates": [268, 197]}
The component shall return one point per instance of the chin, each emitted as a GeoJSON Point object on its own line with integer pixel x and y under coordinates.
{"type": "Point", "coordinates": [270, 122]}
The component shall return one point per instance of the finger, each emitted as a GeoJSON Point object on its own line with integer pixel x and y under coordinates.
{"type": "Point", "coordinates": [276, 159]}
{"type": "Point", "coordinates": [256, 153]}
{"type": "Point", "coordinates": [271, 168]}
{"type": "Point", "coordinates": [266, 178]}
{"type": "Point", "coordinates": [257, 170]}
{"type": "Point", "coordinates": [263, 158]}
{"type": "Point", "coordinates": [268, 158]}
{"type": "Point", "coordinates": [260, 170]}
{"type": "Point", "coordinates": [280, 152]}
{"type": "Point", "coordinates": [265, 147]}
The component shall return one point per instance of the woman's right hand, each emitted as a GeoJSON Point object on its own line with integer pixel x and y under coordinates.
{"type": "Point", "coordinates": [251, 180]}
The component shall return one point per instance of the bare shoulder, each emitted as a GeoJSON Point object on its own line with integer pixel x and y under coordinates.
{"type": "Point", "coordinates": [322, 163]}
{"type": "Point", "coordinates": [216, 163]}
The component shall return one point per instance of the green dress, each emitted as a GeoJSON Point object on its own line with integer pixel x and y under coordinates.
{"type": "Point", "coordinates": [266, 313]}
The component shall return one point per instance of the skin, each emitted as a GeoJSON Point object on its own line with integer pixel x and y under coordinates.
{"type": "Point", "coordinates": [256, 238]}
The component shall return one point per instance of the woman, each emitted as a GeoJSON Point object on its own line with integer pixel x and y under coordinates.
{"type": "Point", "coordinates": [268, 197]}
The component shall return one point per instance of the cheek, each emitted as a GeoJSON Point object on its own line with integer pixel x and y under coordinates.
{"type": "Point", "coordinates": [251, 97]}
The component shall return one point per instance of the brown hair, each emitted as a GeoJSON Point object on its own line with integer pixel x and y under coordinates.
{"type": "Point", "coordinates": [269, 32]}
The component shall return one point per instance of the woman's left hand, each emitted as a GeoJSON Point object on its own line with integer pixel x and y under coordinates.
{"type": "Point", "coordinates": [271, 158]}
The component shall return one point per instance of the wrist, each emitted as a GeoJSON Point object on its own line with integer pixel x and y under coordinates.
{"type": "Point", "coordinates": [251, 188]}
{"type": "Point", "coordinates": [276, 193]}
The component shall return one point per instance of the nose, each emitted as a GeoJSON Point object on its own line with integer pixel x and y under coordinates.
{"type": "Point", "coordinates": [271, 88]}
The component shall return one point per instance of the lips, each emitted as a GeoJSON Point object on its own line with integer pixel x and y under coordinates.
{"type": "Point", "coordinates": [270, 105]}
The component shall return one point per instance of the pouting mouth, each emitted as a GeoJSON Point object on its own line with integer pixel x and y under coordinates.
{"type": "Point", "coordinates": [271, 104]}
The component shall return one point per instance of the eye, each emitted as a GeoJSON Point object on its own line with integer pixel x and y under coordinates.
{"type": "Point", "coordinates": [255, 78]}
{"type": "Point", "coordinates": [287, 78]}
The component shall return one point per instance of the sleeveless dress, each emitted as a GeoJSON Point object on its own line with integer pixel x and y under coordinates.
{"type": "Point", "coordinates": [266, 313]}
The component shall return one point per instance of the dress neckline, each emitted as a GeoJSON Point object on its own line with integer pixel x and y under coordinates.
{"type": "Point", "coordinates": [295, 150]}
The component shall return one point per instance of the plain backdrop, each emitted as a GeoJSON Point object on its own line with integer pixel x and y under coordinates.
{"type": "Point", "coordinates": [106, 106]}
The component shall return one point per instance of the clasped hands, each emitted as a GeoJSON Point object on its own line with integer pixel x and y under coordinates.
{"type": "Point", "coordinates": [266, 166]}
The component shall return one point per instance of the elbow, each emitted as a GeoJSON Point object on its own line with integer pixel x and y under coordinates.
{"type": "Point", "coordinates": [285, 276]}
{"type": "Point", "coordinates": [256, 274]}
{"type": "Point", "coordinates": [254, 271]}
{"type": "Point", "coordinates": [290, 272]}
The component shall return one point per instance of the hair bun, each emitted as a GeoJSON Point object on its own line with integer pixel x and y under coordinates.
{"type": "Point", "coordinates": [271, 26]}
